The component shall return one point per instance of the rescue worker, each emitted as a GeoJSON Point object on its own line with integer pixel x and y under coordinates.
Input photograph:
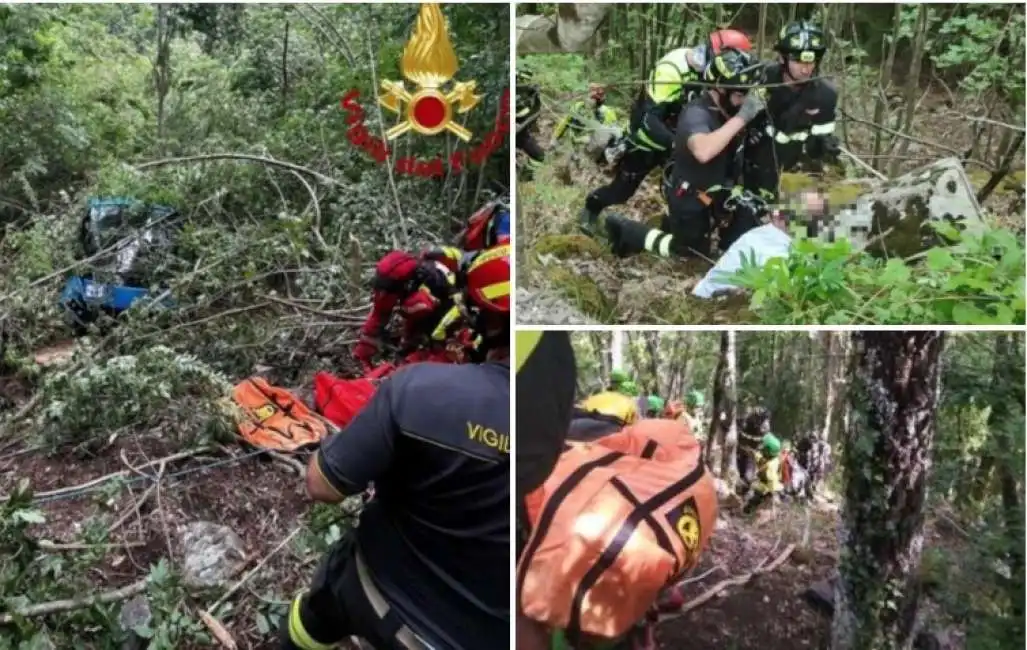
{"type": "Point", "coordinates": [699, 187]}
{"type": "Point", "coordinates": [654, 115]}
{"type": "Point", "coordinates": [654, 406]}
{"type": "Point", "coordinates": [694, 403]}
{"type": "Point", "coordinates": [617, 379]}
{"type": "Point", "coordinates": [422, 288]}
{"type": "Point", "coordinates": [675, 410]}
{"type": "Point", "coordinates": [602, 414]}
{"type": "Point", "coordinates": [768, 476]}
{"type": "Point", "coordinates": [751, 429]}
{"type": "Point", "coordinates": [800, 115]}
{"type": "Point", "coordinates": [546, 381]}
{"type": "Point", "coordinates": [814, 455]}
{"type": "Point", "coordinates": [529, 106]}
{"type": "Point", "coordinates": [427, 566]}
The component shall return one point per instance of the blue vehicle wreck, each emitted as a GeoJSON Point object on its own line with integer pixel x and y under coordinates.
{"type": "Point", "coordinates": [125, 242]}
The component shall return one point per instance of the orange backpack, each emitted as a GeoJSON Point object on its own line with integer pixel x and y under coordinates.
{"type": "Point", "coordinates": [277, 420]}
{"type": "Point", "coordinates": [617, 521]}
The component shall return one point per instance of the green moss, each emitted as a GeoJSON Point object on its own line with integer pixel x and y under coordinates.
{"type": "Point", "coordinates": [1014, 182]}
{"type": "Point", "coordinates": [583, 291]}
{"type": "Point", "coordinates": [568, 246]}
{"type": "Point", "coordinates": [844, 194]}
{"type": "Point", "coordinates": [793, 182]}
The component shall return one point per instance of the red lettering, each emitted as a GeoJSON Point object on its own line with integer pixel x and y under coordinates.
{"type": "Point", "coordinates": [456, 161]}
{"type": "Point", "coordinates": [349, 100]}
{"type": "Point", "coordinates": [421, 169]}
{"type": "Point", "coordinates": [358, 134]}
{"type": "Point", "coordinates": [479, 154]}
{"type": "Point", "coordinates": [436, 168]}
{"type": "Point", "coordinates": [380, 150]}
{"type": "Point", "coordinates": [405, 165]}
{"type": "Point", "coordinates": [493, 140]}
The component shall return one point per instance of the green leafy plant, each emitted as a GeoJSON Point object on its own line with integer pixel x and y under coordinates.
{"type": "Point", "coordinates": [978, 280]}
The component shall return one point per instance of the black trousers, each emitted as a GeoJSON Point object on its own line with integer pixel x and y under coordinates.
{"type": "Point", "coordinates": [631, 170]}
{"type": "Point", "coordinates": [525, 141]}
{"type": "Point", "coordinates": [337, 607]}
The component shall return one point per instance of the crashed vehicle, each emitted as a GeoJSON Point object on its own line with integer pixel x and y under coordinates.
{"type": "Point", "coordinates": [125, 242]}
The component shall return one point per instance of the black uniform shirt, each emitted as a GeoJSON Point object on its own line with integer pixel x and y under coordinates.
{"type": "Point", "coordinates": [701, 115]}
{"type": "Point", "coordinates": [435, 440]}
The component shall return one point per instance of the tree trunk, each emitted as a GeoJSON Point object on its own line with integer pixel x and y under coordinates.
{"type": "Point", "coordinates": [884, 85]}
{"type": "Point", "coordinates": [830, 382]}
{"type": "Point", "coordinates": [162, 73]}
{"type": "Point", "coordinates": [617, 350]}
{"type": "Point", "coordinates": [729, 419]}
{"type": "Point", "coordinates": [887, 461]}
{"type": "Point", "coordinates": [912, 89]}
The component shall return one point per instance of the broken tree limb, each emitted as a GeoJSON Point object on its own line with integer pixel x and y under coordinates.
{"type": "Point", "coordinates": [108, 477]}
{"type": "Point", "coordinates": [327, 180]}
{"type": "Point", "coordinates": [58, 606]}
{"type": "Point", "coordinates": [730, 582]}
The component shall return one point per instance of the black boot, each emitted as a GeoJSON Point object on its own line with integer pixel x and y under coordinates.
{"type": "Point", "coordinates": [630, 237]}
{"type": "Point", "coordinates": [587, 221]}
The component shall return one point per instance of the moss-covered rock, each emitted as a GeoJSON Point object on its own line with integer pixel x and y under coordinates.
{"type": "Point", "coordinates": [584, 292]}
{"type": "Point", "coordinates": [568, 246]}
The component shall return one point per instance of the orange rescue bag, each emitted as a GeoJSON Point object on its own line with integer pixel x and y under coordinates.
{"type": "Point", "coordinates": [618, 520]}
{"type": "Point", "coordinates": [276, 419]}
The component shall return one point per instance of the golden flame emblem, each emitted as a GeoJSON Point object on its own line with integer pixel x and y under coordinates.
{"type": "Point", "coordinates": [429, 62]}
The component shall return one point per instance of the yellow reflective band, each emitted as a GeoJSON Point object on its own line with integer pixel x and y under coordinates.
{"type": "Point", "coordinates": [439, 333]}
{"type": "Point", "coordinates": [490, 254]}
{"type": "Point", "coordinates": [665, 246]}
{"type": "Point", "coordinates": [651, 146]}
{"type": "Point", "coordinates": [496, 290]}
{"type": "Point", "coordinates": [651, 237]}
{"type": "Point", "coordinates": [298, 634]}
{"type": "Point", "coordinates": [808, 57]}
{"type": "Point", "coordinates": [562, 126]}
{"type": "Point", "coordinates": [822, 129]}
{"type": "Point", "coordinates": [525, 343]}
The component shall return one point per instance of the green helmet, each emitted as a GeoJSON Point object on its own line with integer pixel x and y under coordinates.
{"type": "Point", "coordinates": [771, 446]}
{"type": "Point", "coordinates": [655, 403]}
{"type": "Point", "coordinates": [629, 388]}
{"type": "Point", "coordinates": [618, 376]}
{"type": "Point", "coordinates": [695, 398]}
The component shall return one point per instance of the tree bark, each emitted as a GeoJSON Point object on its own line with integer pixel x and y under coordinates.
{"type": "Point", "coordinates": [729, 420]}
{"type": "Point", "coordinates": [887, 461]}
{"type": "Point", "coordinates": [830, 382]}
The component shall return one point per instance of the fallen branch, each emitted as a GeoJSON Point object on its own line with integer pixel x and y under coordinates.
{"type": "Point", "coordinates": [108, 477]}
{"type": "Point", "coordinates": [79, 546]}
{"type": "Point", "coordinates": [228, 594]}
{"type": "Point", "coordinates": [57, 606]}
{"type": "Point", "coordinates": [730, 582]}
{"type": "Point", "coordinates": [327, 180]}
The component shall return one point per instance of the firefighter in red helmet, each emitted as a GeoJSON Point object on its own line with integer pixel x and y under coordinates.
{"type": "Point", "coordinates": [422, 290]}
{"type": "Point", "coordinates": [654, 117]}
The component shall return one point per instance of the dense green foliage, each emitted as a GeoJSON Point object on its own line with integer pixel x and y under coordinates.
{"type": "Point", "coordinates": [231, 114]}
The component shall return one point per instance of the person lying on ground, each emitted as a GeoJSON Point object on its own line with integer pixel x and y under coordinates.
{"type": "Point", "coordinates": [427, 566]}
{"type": "Point", "coordinates": [700, 185]}
{"type": "Point", "coordinates": [762, 244]}
{"type": "Point", "coordinates": [672, 84]}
